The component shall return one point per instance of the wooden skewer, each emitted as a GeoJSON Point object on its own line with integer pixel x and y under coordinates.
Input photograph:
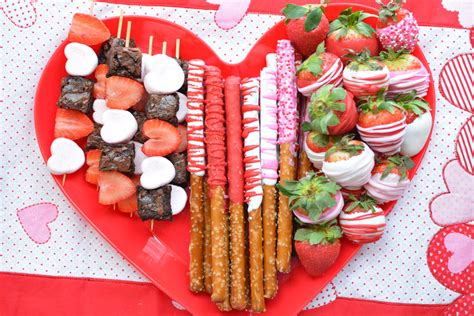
{"type": "Point", "coordinates": [152, 224]}
{"type": "Point", "coordinates": [178, 43]}
{"type": "Point", "coordinates": [91, 8]}
{"type": "Point", "coordinates": [131, 215]}
{"type": "Point", "coordinates": [114, 206]}
{"type": "Point", "coordinates": [163, 50]}
{"type": "Point", "coordinates": [127, 38]}
{"type": "Point", "coordinates": [119, 29]}
{"type": "Point", "coordinates": [150, 45]}
{"type": "Point", "coordinates": [64, 179]}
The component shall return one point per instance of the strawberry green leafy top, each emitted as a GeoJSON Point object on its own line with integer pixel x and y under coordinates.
{"type": "Point", "coordinates": [313, 63]}
{"type": "Point", "coordinates": [411, 103]}
{"type": "Point", "coordinates": [313, 14]}
{"type": "Point", "coordinates": [313, 193]}
{"type": "Point", "coordinates": [365, 202]}
{"type": "Point", "coordinates": [345, 144]}
{"type": "Point", "coordinates": [389, 10]}
{"type": "Point", "coordinates": [326, 233]}
{"type": "Point", "coordinates": [349, 20]}
{"type": "Point", "coordinates": [400, 163]}
{"type": "Point", "coordinates": [379, 104]}
{"type": "Point", "coordinates": [363, 61]}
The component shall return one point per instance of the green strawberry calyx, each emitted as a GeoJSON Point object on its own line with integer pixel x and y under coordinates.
{"type": "Point", "coordinates": [362, 61]}
{"type": "Point", "coordinates": [411, 103]}
{"type": "Point", "coordinates": [314, 194]}
{"type": "Point", "coordinates": [348, 21]}
{"type": "Point", "coordinates": [327, 233]}
{"type": "Point", "coordinates": [389, 10]}
{"type": "Point", "coordinates": [397, 162]}
{"type": "Point", "coordinates": [364, 202]}
{"type": "Point", "coordinates": [313, 14]}
{"type": "Point", "coordinates": [346, 145]}
{"type": "Point", "coordinates": [379, 104]}
{"type": "Point", "coordinates": [314, 63]}
{"type": "Point", "coordinates": [323, 105]}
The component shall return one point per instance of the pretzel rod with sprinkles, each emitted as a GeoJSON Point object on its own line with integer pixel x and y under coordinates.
{"type": "Point", "coordinates": [287, 130]}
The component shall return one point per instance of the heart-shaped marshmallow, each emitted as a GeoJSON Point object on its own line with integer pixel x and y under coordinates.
{"type": "Point", "coordinates": [165, 75]}
{"type": "Point", "coordinates": [119, 126]}
{"type": "Point", "coordinates": [157, 172]}
{"type": "Point", "coordinates": [66, 157]}
{"type": "Point", "coordinates": [179, 198]}
{"type": "Point", "coordinates": [183, 107]}
{"type": "Point", "coordinates": [99, 107]}
{"type": "Point", "coordinates": [81, 59]}
{"type": "Point", "coordinates": [139, 157]}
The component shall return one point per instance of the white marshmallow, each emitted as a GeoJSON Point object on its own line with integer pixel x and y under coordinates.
{"type": "Point", "coordinates": [146, 60]}
{"type": "Point", "coordinates": [157, 172]}
{"type": "Point", "coordinates": [139, 157]}
{"type": "Point", "coordinates": [81, 59]}
{"type": "Point", "coordinates": [66, 157]}
{"type": "Point", "coordinates": [119, 126]}
{"type": "Point", "coordinates": [178, 200]}
{"type": "Point", "coordinates": [99, 107]}
{"type": "Point", "coordinates": [165, 75]}
{"type": "Point", "coordinates": [183, 108]}
{"type": "Point", "coordinates": [417, 133]}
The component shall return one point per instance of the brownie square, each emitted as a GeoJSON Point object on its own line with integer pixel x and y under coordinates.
{"type": "Point", "coordinates": [112, 42]}
{"type": "Point", "coordinates": [94, 140]}
{"type": "Point", "coordinates": [163, 107]}
{"type": "Point", "coordinates": [154, 204]}
{"type": "Point", "coordinates": [141, 118]}
{"type": "Point", "coordinates": [76, 94]}
{"type": "Point", "coordinates": [179, 162]}
{"type": "Point", "coordinates": [125, 62]}
{"type": "Point", "coordinates": [184, 65]}
{"type": "Point", "coordinates": [118, 157]}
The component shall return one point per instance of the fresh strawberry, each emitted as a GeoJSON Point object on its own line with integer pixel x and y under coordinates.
{"type": "Point", "coordinates": [397, 28]}
{"type": "Point", "coordinates": [332, 111]}
{"type": "Point", "coordinates": [345, 149]}
{"type": "Point", "coordinates": [396, 164]}
{"type": "Point", "coordinates": [379, 112]}
{"type": "Point", "coordinates": [93, 157]}
{"type": "Point", "coordinates": [129, 205]}
{"type": "Point", "coordinates": [184, 142]}
{"type": "Point", "coordinates": [93, 160]}
{"type": "Point", "coordinates": [114, 187]}
{"type": "Point", "coordinates": [319, 143]}
{"type": "Point", "coordinates": [87, 29]}
{"type": "Point", "coordinates": [400, 60]}
{"type": "Point", "coordinates": [99, 91]}
{"type": "Point", "coordinates": [72, 124]}
{"type": "Point", "coordinates": [318, 247]}
{"type": "Point", "coordinates": [349, 31]}
{"type": "Point", "coordinates": [123, 93]}
{"type": "Point", "coordinates": [414, 106]}
{"type": "Point", "coordinates": [306, 26]}
{"type": "Point", "coordinates": [164, 138]}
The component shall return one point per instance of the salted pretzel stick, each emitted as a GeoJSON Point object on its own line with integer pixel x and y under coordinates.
{"type": "Point", "coordinates": [269, 155]}
{"type": "Point", "coordinates": [253, 189]}
{"type": "Point", "coordinates": [196, 157]}
{"type": "Point", "coordinates": [215, 145]}
{"type": "Point", "coordinates": [207, 241]}
{"type": "Point", "coordinates": [287, 130]}
{"type": "Point", "coordinates": [304, 164]}
{"type": "Point", "coordinates": [235, 175]}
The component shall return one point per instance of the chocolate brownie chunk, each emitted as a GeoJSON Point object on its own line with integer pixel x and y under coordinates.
{"type": "Point", "coordinates": [179, 162]}
{"type": "Point", "coordinates": [154, 204]}
{"type": "Point", "coordinates": [112, 42]}
{"type": "Point", "coordinates": [184, 65]}
{"type": "Point", "coordinates": [141, 118]}
{"type": "Point", "coordinates": [125, 62]}
{"type": "Point", "coordinates": [118, 157]}
{"type": "Point", "coordinates": [94, 140]}
{"type": "Point", "coordinates": [76, 94]}
{"type": "Point", "coordinates": [163, 107]}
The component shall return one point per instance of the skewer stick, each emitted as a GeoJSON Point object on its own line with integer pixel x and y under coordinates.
{"type": "Point", "coordinates": [152, 225]}
{"type": "Point", "coordinates": [119, 29]}
{"type": "Point", "coordinates": [163, 50]}
{"type": "Point", "coordinates": [127, 38]}
{"type": "Point", "coordinates": [114, 206]}
{"type": "Point", "coordinates": [64, 179]}
{"type": "Point", "coordinates": [91, 8]}
{"type": "Point", "coordinates": [131, 215]}
{"type": "Point", "coordinates": [178, 43]}
{"type": "Point", "coordinates": [150, 45]}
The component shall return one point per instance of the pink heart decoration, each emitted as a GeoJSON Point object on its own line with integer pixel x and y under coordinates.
{"type": "Point", "coordinates": [465, 146]}
{"type": "Point", "coordinates": [455, 81]}
{"type": "Point", "coordinates": [230, 12]}
{"type": "Point", "coordinates": [21, 13]}
{"type": "Point", "coordinates": [35, 219]}
{"type": "Point", "coordinates": [456, 205]}
{"type": "Point", "coordinates": [462, 248]}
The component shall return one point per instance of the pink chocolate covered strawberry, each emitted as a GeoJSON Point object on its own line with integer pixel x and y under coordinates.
{"type": "Point", "coordinates": [397, 28]}
{"type": "Point", "coordinates": [321, 68]}
{"type": "Point", "coordinates": [318, 247]}
{"type": "Point", "coordinates": [307, 26]}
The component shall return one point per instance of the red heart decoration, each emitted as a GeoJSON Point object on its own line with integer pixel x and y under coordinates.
{"type": "Point", "coordinates": [164, 259]}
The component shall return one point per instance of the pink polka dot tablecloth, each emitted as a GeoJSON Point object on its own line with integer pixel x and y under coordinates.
{"type": "Point", "coordinates": [403, 267]}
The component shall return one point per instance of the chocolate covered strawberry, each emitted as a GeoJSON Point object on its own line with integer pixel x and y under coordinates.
{"type": "Point", "coordinates": [389, 178]}
{"type": "Point", "coordinates": [349, 31]}
{"type": "Point", "coordinates": [320, 69]}
{"type": "Point", "coordinates": [331, 111]}
{"type": "Point", "coordinates": [314, 198]}
{"type": "Point", "coordinates": [318, 247]}
{"type": "Point", "coordinates": [397, 27]}
{"type": "Point", "coordinates": [362, 221]}
{"type": "Point", "coordinates": [419, 123]}
{"type": "Point", "coordinates": [316, 145]}
{"type": "Point", "coordinates": [407, 73]}
{"type": "Point", "coordinates": [349, 163]}
{"type": "Point", "coordinates": [365, 76]}
{"type": "Point", "coordinates": [382, 125]}
{"type": "Point", "coordinates": [307, 26]}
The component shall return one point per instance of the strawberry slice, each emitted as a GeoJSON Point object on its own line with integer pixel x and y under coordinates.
{"type": "Point", "coordinates": [93, 157]}
{"type": "Point", "coordinates": [129, 205]}
{"type": "Point", "coordinates": [123, 93]}
{"type": "Point", "coordinates": [92, 174]}
{"type": "Point", "coordinates": [164, 138]}
{"type": "Point", "coordinates": [114, 187]}
{"type": "Point", "coordinates": [184, 141]}
{"type": "Point", "coordinates": [87, 29]}
{"type": "Point", "coordinates": [72, 124]}
{"type": "Point", "coordinates": [99, 86]}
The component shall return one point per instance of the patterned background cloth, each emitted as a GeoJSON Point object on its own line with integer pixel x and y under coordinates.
{"type": "Point", "coordinates": [395, 269]}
